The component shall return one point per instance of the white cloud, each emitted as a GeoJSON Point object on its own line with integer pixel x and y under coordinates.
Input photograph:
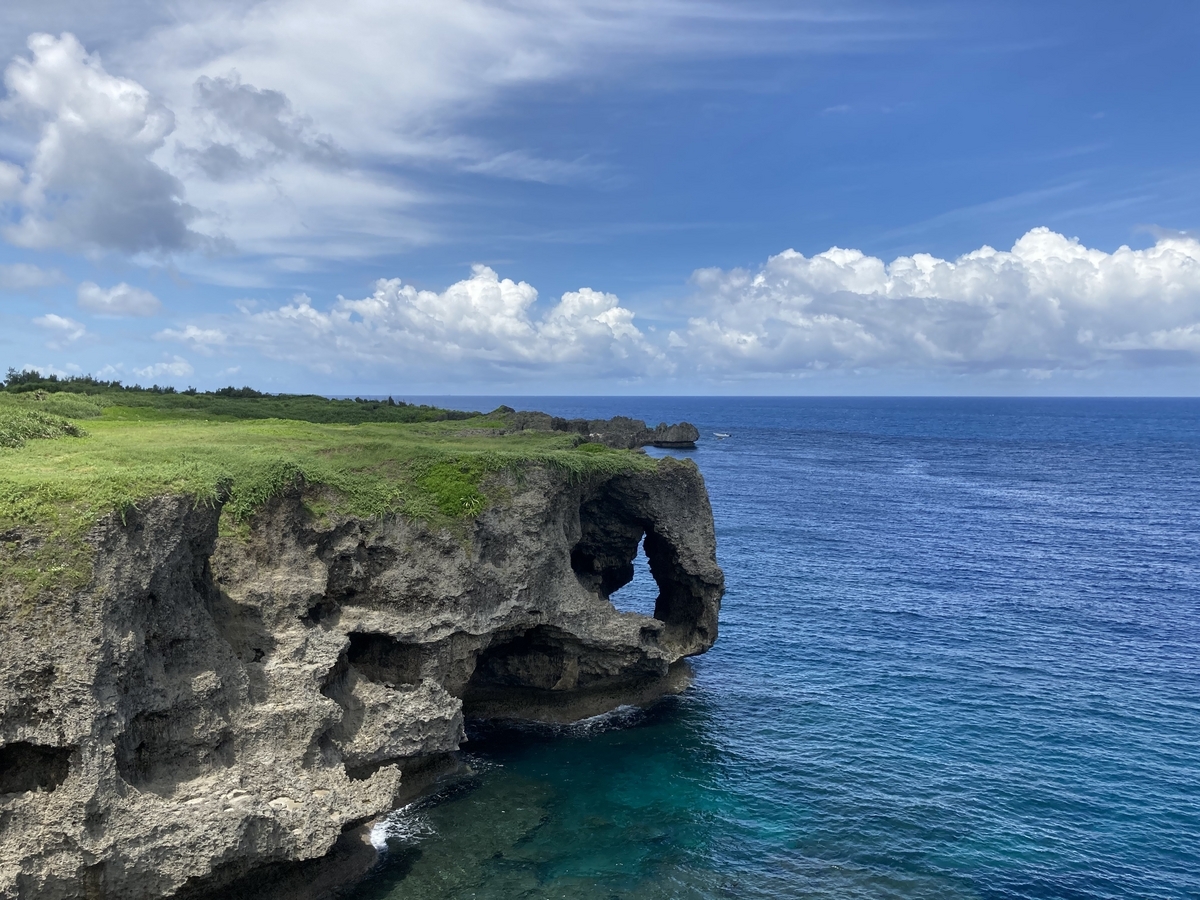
{"type": "Point", "coordinates": [119, 300]}
{"type": "Point", "coordinates": [522, 166]}
{"type": "Point", "coordinates": [63, 330]}
{"type": "Point", "coordinates": [201, 339]}
{"type": "Point", "coordinates": [91, 183]}
{"type": "Point", "coordinates": [480, 324]}
{"type": "Point", "coordinates": [280, 163]}
{"type": "Point", "coordinates": [175, 367]}
{"type": "Point", "coordinates": [24, 276]}
{"type": "Point", "coordinates": [428, 66]}
{"type": "Point", "coordinates": [251, 129]}
{"type": "Point", "coordinates": [1048, 304]}
{"type": "Point", "coordinates": [288, 129]}
{"type": "Point", "coordinates": [10, 181]}
{"type": "Point", "coordinates": [255, 129]}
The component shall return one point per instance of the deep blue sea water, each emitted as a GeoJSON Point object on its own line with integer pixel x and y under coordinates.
{"type": "Point", "coordinates": [959, 658]}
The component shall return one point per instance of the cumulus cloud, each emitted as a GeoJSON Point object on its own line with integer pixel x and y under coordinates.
{"type": "Point", "coordinates": [25, 276]}
{"type": "Point", "coordinates": [175, 367]}
{"type": "Point", "coordinates": [63, 330]}
{"type": "Point", "coordinates": [1048, 304]}
{"type": "Point", "coordinates": [91, 182]}
{"type": "Point", "coordinates": [481, 323]}
{"type": "Point", "coordinates": [120, 300]}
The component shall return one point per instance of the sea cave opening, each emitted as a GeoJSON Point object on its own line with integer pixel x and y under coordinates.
{"type": "Point", "coordinates": [551, 671]}
{"type": "Point", "coordinates": [540, 658]}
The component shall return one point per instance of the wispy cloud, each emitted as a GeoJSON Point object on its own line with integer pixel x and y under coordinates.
{"type": "Point", "coordinates": [25, 276]}
{"type": "Point", "coordinates": [228, 131]}
{"type": "Point", "coordinates": [202, 340]}
{"type": "Point", "coordinates": [1021, 200]}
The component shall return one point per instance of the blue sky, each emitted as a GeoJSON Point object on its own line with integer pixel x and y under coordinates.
{"type": "Point", "coordinates": [604, 196]}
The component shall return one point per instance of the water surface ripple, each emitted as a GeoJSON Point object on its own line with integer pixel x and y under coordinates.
{"type": "Point", "coordinates": [958, 659]}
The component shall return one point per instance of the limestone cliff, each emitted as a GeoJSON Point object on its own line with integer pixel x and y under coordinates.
{"type": "Point", "coordinates": [215, 703]}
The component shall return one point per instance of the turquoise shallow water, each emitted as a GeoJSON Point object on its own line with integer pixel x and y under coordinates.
{"type": "Point", "coordinates": [959, 658]}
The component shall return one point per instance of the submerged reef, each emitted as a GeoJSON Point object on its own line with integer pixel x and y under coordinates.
{"type": "Point", "coordinates": [223, 697]}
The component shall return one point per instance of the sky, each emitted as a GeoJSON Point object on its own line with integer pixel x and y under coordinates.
{"type": "Point", "coordinates": [604, 196]}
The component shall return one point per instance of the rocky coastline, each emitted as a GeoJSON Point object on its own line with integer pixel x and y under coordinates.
{"type": "Point", "coordinates": [619, 432]}
{"type": "Point", "coordinates": [216, 708]}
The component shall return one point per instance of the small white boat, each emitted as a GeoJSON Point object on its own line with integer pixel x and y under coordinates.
{"type": "Point", "coordinates": [720, 435]}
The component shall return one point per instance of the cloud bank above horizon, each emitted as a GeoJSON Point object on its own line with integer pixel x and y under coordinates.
{"type": "Point", "coordinates": [1049, 305]}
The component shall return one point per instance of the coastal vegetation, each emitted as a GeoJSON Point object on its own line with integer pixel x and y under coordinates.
{"type": "Point", "coordinates": [74, 451]}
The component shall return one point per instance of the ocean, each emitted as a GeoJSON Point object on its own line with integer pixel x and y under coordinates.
{"type": "Point", "coordinates": [959, 658]}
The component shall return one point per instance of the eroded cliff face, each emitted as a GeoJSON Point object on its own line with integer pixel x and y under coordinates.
{"type": "Point", "coordinates": [212, 705]}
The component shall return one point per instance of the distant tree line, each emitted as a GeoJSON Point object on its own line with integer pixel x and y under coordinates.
{"type": "Point", "coordinates": [234, 402]}
{"type": "Point", "coordinates": [20, 381]}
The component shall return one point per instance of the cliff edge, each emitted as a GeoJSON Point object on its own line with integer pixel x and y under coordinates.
{"type": "Point", "coordinates": [218, 699]}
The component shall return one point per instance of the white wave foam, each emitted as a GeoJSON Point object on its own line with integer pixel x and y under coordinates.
{"type": "Point", "coordinates": [405, 825]}
{"type": "Point", "coordinates": [621, 717]}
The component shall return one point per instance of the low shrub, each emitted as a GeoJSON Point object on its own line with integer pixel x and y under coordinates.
{"type": "Point", "coordinates": [19, 423]}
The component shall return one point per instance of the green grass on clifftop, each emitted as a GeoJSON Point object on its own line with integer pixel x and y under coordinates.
{"type": "Point", "coordinates": [69, 459]}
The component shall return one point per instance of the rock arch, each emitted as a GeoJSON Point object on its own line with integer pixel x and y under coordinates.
{"type": "Point", "coordinates": [612, 525]}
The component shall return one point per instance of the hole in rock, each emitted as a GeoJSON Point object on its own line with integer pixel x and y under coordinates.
{"type": "Point", "coordinates": [242, 626]}
{"type": "Point", "coordinates": [383, 659]}
{"type": "Point", "coordinates": [641, 593]}
{"type": "Point", "coordinates": [172, 746]}
{"type": "Point", "coordinates": [619, 557]}
{"type": "Point", "coordinates": [319, 612]}
{"type": "Point", "coordinates": [30, 767]}
{"type": "Point", "coordinates": [610, 557]}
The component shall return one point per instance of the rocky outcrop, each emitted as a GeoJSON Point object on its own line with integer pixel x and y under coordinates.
{"type": "Point", "coordinates": [213, 704]}
{"type": "Point", "coordinates": [619, 432]}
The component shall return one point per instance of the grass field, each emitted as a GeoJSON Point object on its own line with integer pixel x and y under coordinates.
{"type": "Point", "coordinates": [69, 459]}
